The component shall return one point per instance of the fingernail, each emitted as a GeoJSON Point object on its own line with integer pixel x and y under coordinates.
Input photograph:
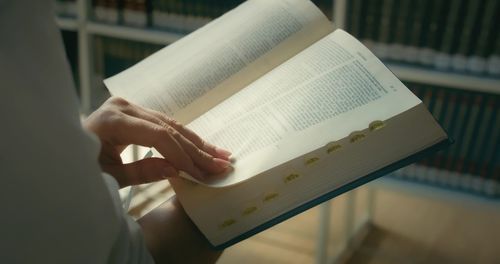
{"type": "Point", "coordinates": [222, 152]}
{"type": "Point", "coordinates": [222, 163]}
{"type": "Point", "coordinates": [169, 172]}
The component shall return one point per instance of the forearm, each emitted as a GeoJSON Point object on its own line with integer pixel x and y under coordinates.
{"type": "Point", "coordinates": [172, 237]}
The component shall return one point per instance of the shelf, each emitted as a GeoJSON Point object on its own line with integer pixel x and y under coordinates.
{"type": "Point", "coordinates": [66, 23]}
{"type": "Point", "coordinates": [434, 192]}
{"type": "Point", "coordinates": [136, 34]}
{"type": "Point", "coordinates": [449, 79]}
{"type": "Point", "coordinates": [403, 72]}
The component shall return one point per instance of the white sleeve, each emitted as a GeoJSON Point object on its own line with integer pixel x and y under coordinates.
{"type": "Point", "coordinates": [56, 205]}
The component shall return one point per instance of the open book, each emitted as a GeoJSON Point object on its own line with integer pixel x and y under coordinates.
{"type": "Point", "coordinates": [307, 111]}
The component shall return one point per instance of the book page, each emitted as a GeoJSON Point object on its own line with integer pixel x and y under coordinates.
{"type": "Point", "coordinates": [323, 94]}
{"type": "Point", "coordinates": [209, 65]}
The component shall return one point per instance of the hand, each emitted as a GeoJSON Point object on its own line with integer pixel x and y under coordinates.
{"type": "Point", "coordinates": [171, 237]}
{"type": "Point", "coordinates": [119, 123]}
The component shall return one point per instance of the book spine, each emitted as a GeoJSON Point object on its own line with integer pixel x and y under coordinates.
{"type": "Point", "coordinates": [477, 61]}
{"type": "Point", "coordinates": [456, 123]}
{"type": "Point", "coordinates": [436, 108]}
{"type": "Point", "coordinates": [135, 13]}
{"type": "Point", "coordinates": [416, 31]}
{"type": "Point", "coordinates": [483, 137]}
{"type": "Point", "coordinates": [386, 35]}
{"type": "Point", "coordinates": [177, 15]}
{"type": "Point", "coordinates": [201, 16]}
{"type": "Point", "coordinates": [469, 142]}
{"type": "Point", "coordinates": [444, 101]}
{"type": "Point", "coordinates": [113, 11]}
{"type": "Point", "coordinates": [453, 25]}
{"type": "Point", "coordinates": [149, 13]}
{"type": "Point", "coordinates": [484, 142]}
{"type": "Point", "coordinates": [462, 128]}
{"type": "Point", "coordinates": [355, 20]}
{"type": "Point", "coordinates": [158, 14]}
{"type": "Point", "coordinates": [467, 39]}
{"type": "Point", "coordinates": [187, 15]}
{"type": "Point", "coordinates": [433, 29]}
{"type": "Point", "coordinates": [372, 23]}
{"type": "Point", "coordinates": [478, 136]}
{"type": "Point", "coordinates": [490, 155]}
{"type": "Point", "coordinates": [105, 11]}
{"type": "Point", "coordinates": [98, 7]}
{"type": "Point", "coordinates": [449, 123]}
{"type": "Point", "coordinates": [404, 18]}
{"type": "Point", "coordinates": [494, 169]}
{"type": "Point", "coordinates": [494, 59]}
{"type": "Point", "coordinates": [472, 119]}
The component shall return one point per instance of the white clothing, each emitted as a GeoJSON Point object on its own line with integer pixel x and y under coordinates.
{"type": "Point", "coordinates": [56, 206]}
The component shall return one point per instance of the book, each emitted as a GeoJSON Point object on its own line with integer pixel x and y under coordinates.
{"type": "Point", "coordinates": [468, 36]}
{"type": "Point", "coordinates": [433, 32]}
{"type": "Point", "coordinates": [135, 13]}
{"type": "Point", "coordinates": [355, 19]}
{"type": "Point", "coordinates": [386, 32]}
{"type": "Point", "coordinates": [402, 30]}
{"type": "Point", "coordinates": [452, 29]}
{"type": "Point", "coordinates": [469, 165]}
{"type": "Point", "coordinates": [371, 22]}
{"type": "Point", "coordinates": [106, 11]}
{"type": "Point", "coordinates": [477, 61]}
{"type": "Point", "coordinates": [307, 111]}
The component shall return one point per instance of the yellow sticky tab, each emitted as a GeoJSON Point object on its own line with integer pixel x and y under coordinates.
{"type": "Point", "coordinates": [291, 177]}
{"type": "Point", "coordinates": [249, 210]}
{"type": "Point", "coordinates": [270, 197]}
{"type": "Point", "coordinates": [333, 148]}
{"type": "Point", "coordinates": [376, 125]}
{"type": "Point", "coordinates": [227, 223]}
{"type": "Point", "coordinates": [312, 160]}
{"type": "Point", "coordinates": [357, 137]}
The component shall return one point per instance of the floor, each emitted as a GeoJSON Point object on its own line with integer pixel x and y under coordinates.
{"type": "Point", "coordinates": [412, 229]}
{"type": "Point", "coordinates": [406, 228]}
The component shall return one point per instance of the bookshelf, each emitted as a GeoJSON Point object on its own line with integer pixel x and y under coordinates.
{"type": "Point", "coordinates": [443, 78]}
{"type": "Point", "coordinates": [136, 34]}
{"type": "Point", "coordinates": [88, 30]}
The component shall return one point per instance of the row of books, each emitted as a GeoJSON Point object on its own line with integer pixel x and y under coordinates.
{"type": "Point", "coordinates": [472, 119]}
{"type": "Point", "coordinates": [456, 35]}
{"type": "Point", "coordinates": [115, 55]}
{"type": "Point", "coordinates": [174, 15]}
{"type": "Point", "coordinates": [112, 56]}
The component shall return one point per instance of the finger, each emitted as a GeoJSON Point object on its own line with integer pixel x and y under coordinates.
{"type": "Point", "coordinates": [202, 159]}
{"type": "Point", "coordinates": [133, 130]}
{"type": "Point", "coordinates": [192, 136]}
{"type": "Point", "coordinates": [142, 171]}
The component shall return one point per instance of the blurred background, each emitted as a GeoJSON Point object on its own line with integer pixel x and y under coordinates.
{"type": "Point", "coordinates": [443, 209]}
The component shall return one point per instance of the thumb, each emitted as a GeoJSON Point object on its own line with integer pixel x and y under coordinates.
{"type": "Point", "coordinates": [142, 171]}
